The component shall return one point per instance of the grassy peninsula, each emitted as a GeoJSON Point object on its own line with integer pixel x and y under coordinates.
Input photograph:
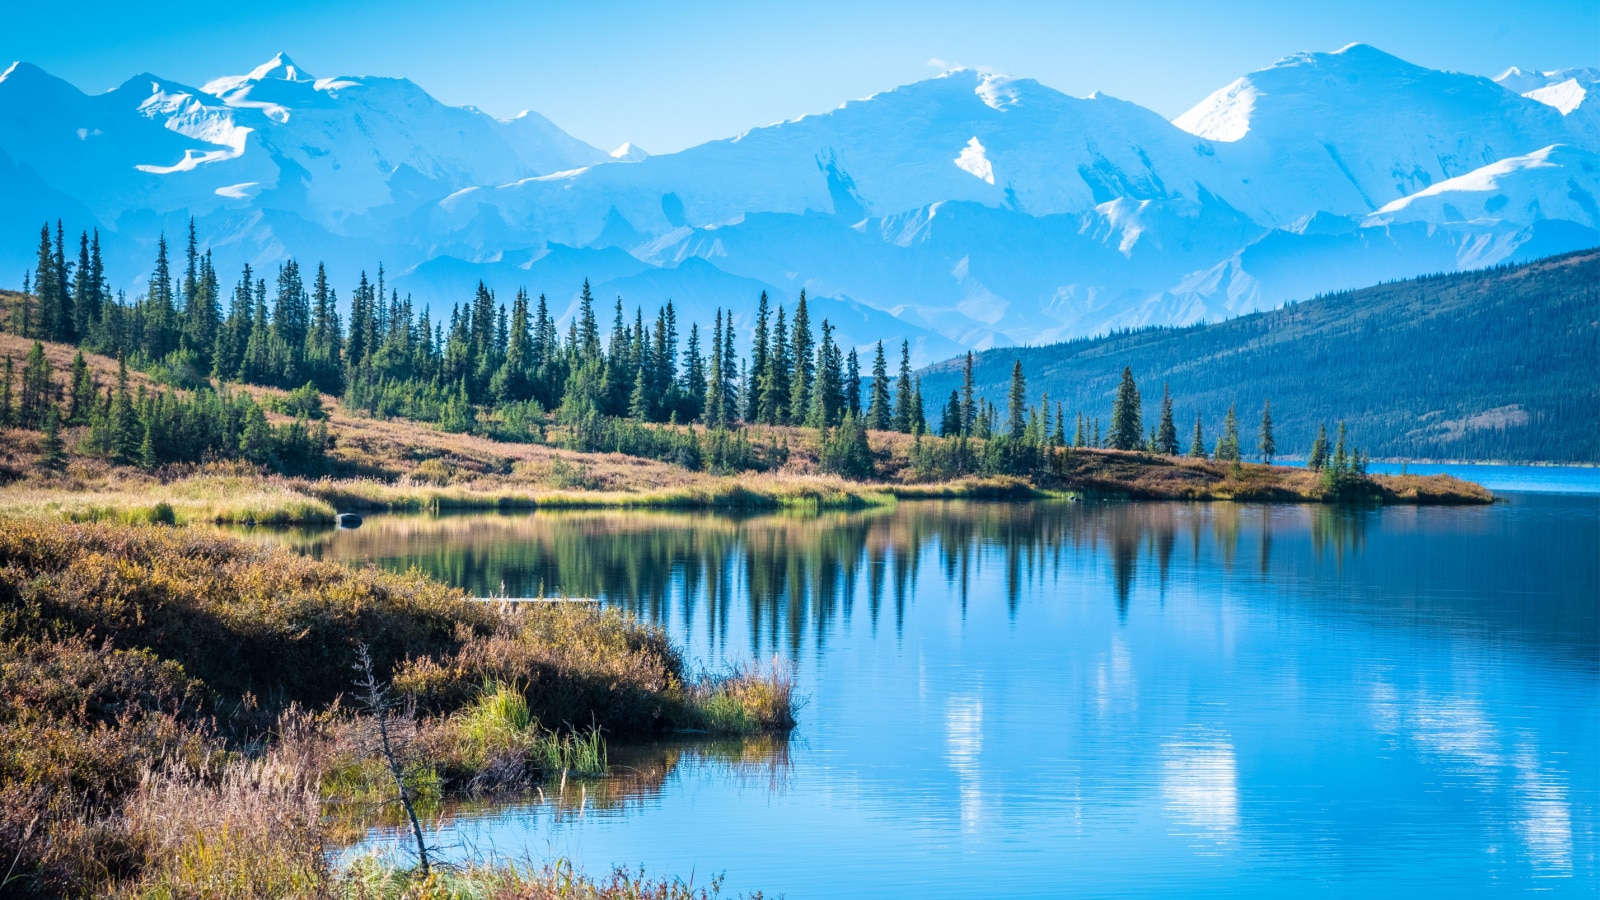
{"type": "Point", "coordinates": [178, 711]}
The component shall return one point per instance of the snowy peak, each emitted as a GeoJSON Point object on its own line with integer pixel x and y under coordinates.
{"type": "Point", "coordinates": [1223, 116]}
{"type": "Point", "coordinates": [628, 152]}
{"type": "Point", "coordinates": [278, 68]}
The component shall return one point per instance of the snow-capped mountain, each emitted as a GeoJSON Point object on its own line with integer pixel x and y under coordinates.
{"type": "Point", "coordinates": [965, 210]}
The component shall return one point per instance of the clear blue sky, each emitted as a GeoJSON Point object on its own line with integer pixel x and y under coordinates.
{"type": "Point", "coordinates": [667, 76]}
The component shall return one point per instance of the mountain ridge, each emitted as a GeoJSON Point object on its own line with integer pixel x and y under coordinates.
{"type": "Point", "coordinates": [984, 209]}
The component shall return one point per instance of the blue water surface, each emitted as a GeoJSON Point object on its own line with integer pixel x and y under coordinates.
{"type": "Point", "coordinates": [1059, 699]}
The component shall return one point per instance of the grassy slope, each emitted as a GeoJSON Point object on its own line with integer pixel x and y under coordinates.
{"type": "Point", "coordinates": [1496, 364]}
{"type": "Point", "coordinates": [403, 465]}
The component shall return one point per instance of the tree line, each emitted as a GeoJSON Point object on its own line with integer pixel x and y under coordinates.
{"type": "Point", "coordinates": [509, 372]}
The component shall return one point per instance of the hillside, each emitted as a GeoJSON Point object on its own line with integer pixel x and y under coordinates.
{"type": "Point", "coordinates": [1498, 364]}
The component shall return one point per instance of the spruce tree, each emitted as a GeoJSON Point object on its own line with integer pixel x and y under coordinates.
{"type": "Point", "coordinates": [1197, 449]}
{"type": "Point", "coordinates": [1166, 440]}
{"type": "Point", "coordinates": [7, 389]}
{"type": "Point", "coordinates": [1319, 450]}
{"type": "Point", "coordinates": [1016, 409]}
{"type": "Point", "coordinates": [1127, 420]}
{"type": "Point", "coordinates": [950, 421]}
{"type": "Point", "coordinates": [714, 412]}
{"type": "Point", "coordinates": [969, 410]}
{"type": "Point", "coordinates": [1268, 447]}
{"type": "Point", "coordinates": [1228, 445]}
{"type": "Point", "coordinates": [879, 416]}
{"type": "Point", "coordinates": [730, 373]}
{"type": "Point", "coordinates": [51, 457]}
{"type": "Point", "coordinates": [82, 395]}
{"type": "Point", "coordinates": [800, 357]}
{"type": "Point", "coordinates": [40, 321]}
{"type": "Point", "coordinates": [694, 376]}
{"type": "Point", "coordinates": [902, 391]}
{"type": "Point", "coordinates": [759, 372]}
{"type": "Point", "coordinates": [37, 389]}
{"type": "Point", "coordinates": [852, 384]}
{"type": "Point", "coordinates": [775, 391]}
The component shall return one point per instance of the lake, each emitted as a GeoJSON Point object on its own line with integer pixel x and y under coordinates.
{"type": "Point", "coordinates": [1060, 698]}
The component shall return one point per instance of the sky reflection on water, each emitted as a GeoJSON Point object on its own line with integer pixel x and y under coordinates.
{"type": "Point", "coordinates": [1121, 699]}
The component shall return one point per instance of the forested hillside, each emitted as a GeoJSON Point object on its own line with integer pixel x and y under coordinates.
{"type": "Point", "coordinates": [1499, 364]}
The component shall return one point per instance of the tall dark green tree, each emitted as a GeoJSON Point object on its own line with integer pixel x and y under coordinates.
{"type": "Point", "coordinates": [759, 371]}
{"type": "Point", "coordinates": [1228, 444]}
{"type": "Point", "coordinates": [879, 416]}
{"type": "Point", "coordinates": [902, 392]}
{"type": "Point", "coordinates": [775, 386]}
{"type": "Point", "coordinates": [1166, 442]}
{"type": "Point", "coordinates": [1268, 446]}
{"type": "Point", "coordinates": [1017, 403]}
{"type": "Point", "coordinates": [1127, 418]}
{"type": "Point", "coordinates": [1197, 449]}
{"type": "Point", "coordinates": [801, 357]}
{"type": "Point", "coordinates": [1319, 450]}
{"type": "Point", "coordinates": [969, 410]}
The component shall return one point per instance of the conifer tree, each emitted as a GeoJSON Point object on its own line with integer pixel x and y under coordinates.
{"type": "Point", "coordinates": [1341, 458]}
{"type": "Point", "coordinates": [759, 369]}
{"type": "Point", "coordinates": [37, 389]}
{"type": "Point", "coordinates": [50, 447]}
{"type": "Point", "coordinates": [919, 418]}
{"type": "Point", "coordinates": [1228, 445]}
{"type": "Point", "coordinates": [969, 410]}
{"type": "Point", "coordinates": [82, 391]}
{"type": "Point", "coordinates": [1127, 421]}
{"type": "Point", "coordinates": [852, 384]}
{"type": "Point", "coordinates": [1079, 437]}
{"type": "Point", "coordinates": [950, 421]}
{"type": "Point", "coordinates": [1268, 446]}
{"type": "Point", "coordinates": [902, 391]}
{"type": "Point", "coordinates": [123, 424]}
{"type": "Point", "coordinates": [879, 416]}
{"type": "Point", "coordinates": [1319, 450]}
{"type": "Point", "coordinates": [7, 388]}
{"type": "Point", "coordinates": [730, 373]}
{"type": "Point", "coordinates": [40, 321]}
{"type": "Point", "coordinates": [85, 309]}
{"type": "Point", "coordinates": [1166, 439]}
{"type": "Point", "coordinates": [1197, 449]}
{"type": "Point", "coordinates": [800, 357]}
{"type": "Point", "coordinates": [1016, 410]}
{"type": "Point", "coordinates": [775, 390]}
{"type": "Point", "coordinates": [714, 410]}
{"type": "Point", "coordinates": [694, 376]}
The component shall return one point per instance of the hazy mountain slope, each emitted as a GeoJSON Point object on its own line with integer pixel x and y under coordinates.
{"type": "Point", "coordinates": [1495, 364]}
{"type": "Point", "coordinates": [981, 208]}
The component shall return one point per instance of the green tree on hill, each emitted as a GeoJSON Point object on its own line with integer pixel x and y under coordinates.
{"type": "Point", "coordinates": [1127, 420]}
{"type": "Point", "coordinates": [1016, 409]}
{"type": "Point", "coordinates": [1166, 440]}
{"type": "Point", "coordinates": [1268, 446]}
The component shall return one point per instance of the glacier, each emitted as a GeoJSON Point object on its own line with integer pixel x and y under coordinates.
{"type": "Point", "coordinates": [968, 210]}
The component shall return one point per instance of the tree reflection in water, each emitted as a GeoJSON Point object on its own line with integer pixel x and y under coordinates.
{"type": "Point", "coordinates": [798, 573]}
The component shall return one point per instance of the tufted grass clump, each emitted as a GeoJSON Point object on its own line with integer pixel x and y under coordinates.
{"type": "Point", "coordinates": [751, 699]}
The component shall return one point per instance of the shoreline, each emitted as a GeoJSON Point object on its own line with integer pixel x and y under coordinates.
{"type": "Point", "coordinates": [236, 498]}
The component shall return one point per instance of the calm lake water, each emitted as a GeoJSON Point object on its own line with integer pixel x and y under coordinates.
{"type": "Point", "coordinates": [1057, 699]}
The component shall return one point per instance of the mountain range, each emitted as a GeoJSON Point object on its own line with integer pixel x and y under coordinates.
{"type": "Point", "coordinates": [966, 210]}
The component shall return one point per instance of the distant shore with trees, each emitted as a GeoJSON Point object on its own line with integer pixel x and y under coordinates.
{"type": "Point", "coordinates": [342, 404]}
